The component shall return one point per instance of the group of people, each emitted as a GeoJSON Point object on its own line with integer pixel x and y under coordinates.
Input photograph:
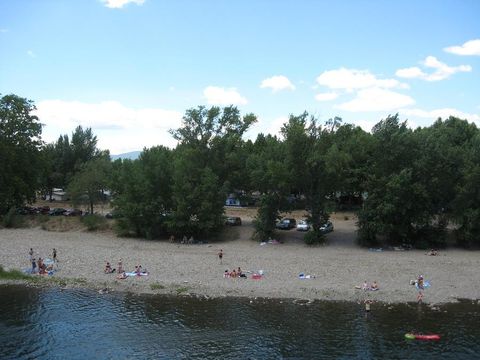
{"type": "Point", "coordinates": [372, 287]}
{"type": "Point", "coordinates": [122, 274]}
{"type": "Point", "coordinates": [432, 252]}
{"type": "Point", "coordinates": [42, 266]}
{"type": "Point", "coordinates": [234, 273]}
{"type": "Point", "coordinates": [184, 240]}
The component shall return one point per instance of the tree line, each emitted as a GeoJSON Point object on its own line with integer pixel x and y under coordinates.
{"type": "Point", "coordinates": [417, 186]}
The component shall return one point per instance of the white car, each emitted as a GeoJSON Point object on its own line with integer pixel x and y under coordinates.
{"type": "Point", "coordinates": [303, 226]}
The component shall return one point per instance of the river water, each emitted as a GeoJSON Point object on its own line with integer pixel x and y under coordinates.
{"type": "Point", "coordinates": [82, 324]}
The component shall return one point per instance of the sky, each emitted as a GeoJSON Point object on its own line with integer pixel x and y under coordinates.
{"type": "Point", "coordinates": [129, 69]}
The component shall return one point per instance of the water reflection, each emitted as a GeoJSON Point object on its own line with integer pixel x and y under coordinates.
{"type": "Point", "coordinates": [79, 324]}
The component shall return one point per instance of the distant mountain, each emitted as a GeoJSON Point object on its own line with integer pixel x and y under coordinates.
{"type": "Point", "coordinates": [130, 155]}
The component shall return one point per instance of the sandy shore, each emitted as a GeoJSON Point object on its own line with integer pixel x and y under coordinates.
{"type": "Point", "coordinates": [195, 269]}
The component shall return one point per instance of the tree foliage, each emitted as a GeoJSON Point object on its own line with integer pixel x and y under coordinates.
{"type": "Point", "coordinates": [20, 142]}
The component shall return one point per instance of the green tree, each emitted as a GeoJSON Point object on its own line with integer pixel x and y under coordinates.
{"type": "Point", "coordinates": [268, 174]}
{"type": "Point", "coordinates": [142, 192]}
{"type": "Point", "coordinates": [20, 141]}
{"type": "Point", "coordinates": [208, 161]}
{"type": "Point", "coordinates": [90, 183]}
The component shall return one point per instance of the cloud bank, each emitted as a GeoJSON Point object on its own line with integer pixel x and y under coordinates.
{"type": "Point", "coordinates": [118, 128]}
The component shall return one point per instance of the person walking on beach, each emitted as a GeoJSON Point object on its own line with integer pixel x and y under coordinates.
{"type": "Point", "coordinates": [54, 255]}
{"type": "Point", "coordinates": [220, 256]}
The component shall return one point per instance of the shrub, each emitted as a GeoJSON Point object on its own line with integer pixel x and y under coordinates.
{"type": "Point", "coordinates": [94, 222]}
{"type": "Point", "coordinates": [12, 274]}
{"type": "Point", "coordinates": [12, 219]}
{"type": "Point", "coordinates": [314, 237]}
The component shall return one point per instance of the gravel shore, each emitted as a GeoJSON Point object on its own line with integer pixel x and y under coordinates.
{"type": "Point", "coordinates": [338, 267]}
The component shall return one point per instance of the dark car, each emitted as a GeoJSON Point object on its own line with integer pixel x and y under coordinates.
{"type": "Point", "coordinates": [233, 221]}
{"type": "Point", "coordinates": [57, 212]}
{"type": "Point", "coordinates": [286, 224]}
{"type": "Point", "coordinates": [73, 212]}
{"type": "Point", "coordinates": [326, 228]}
{"type": "Point", "coordinates": [26, 210]}
{"type": "Point", "coordinates": [44, 210]}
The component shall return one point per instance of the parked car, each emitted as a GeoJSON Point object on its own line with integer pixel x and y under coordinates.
{"type": "Point", "coordinates": [56, 212]}
{"type": "Point", "coordinates": [286, 224]}
{"type": "Point", "coordinates": [26, 210]}
{"type": "Point", "coordinates": [327, 227]}
{"type": "Point", "coordinates": [44, 210]}
{"type": "Point", "coordinates": [73, 212]}
{"type": "Point", "coordinates": [303, 225]}
{"type": "Point", "coordinates": [233, 221]}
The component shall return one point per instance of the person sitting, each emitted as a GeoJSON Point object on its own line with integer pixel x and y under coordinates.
{"type": "Point", "coordinates": [374, 286]}
{"type": "Point", "coordinates": [365, 285]}
{"type": "Point", "coordinates": [240, 273]}
{"type": "Point", "coordinates": [233, 274]}
{"type": "Point", "coordinates": [433, 252]}
{"type": "Point", "coordinates": [122, 275]}
{"type": "Point", "coordinates": [108, 268]}
{"type": "Point", "coordinates": [226, 274]}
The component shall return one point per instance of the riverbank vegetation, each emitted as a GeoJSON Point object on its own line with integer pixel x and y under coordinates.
{"type": "Point", "coordinates": [409, 186]}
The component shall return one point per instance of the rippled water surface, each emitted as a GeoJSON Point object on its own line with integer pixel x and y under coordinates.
{"type": "Point", "coordinates": [81, 324]}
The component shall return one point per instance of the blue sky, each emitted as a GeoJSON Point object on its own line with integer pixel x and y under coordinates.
{"type": "Point", "coordinates": [130, 68]}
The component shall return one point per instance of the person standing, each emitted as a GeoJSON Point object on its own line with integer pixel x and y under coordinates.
{"type": "Point", "coordinates": [54, 255]}
{"type": "Point", "coordinates": [220, 256]}
{"type": "Point", "coordinates": [120, 266]}
{"type": "Point", "coordinates": [34, 265]}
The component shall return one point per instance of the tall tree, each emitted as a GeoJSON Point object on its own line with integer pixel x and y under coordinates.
{"type": "Point", "coordinates": [206, 167]}
{"type": "Point", "coordinates": [20, 141]}
{"type": "Point", "coordinates": [142, 192]}
{"type": "Point", "coordinates": [90, 183]}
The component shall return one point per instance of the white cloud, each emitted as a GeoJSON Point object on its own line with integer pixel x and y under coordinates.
{"type": "Point", "coordinates": [351, 79]}
{"type": "Point", "coordinates": [117, 127]}
{"type": "Point", "coordinates": [471, 47]}
{"type": "Point", "coordinates": [277, 83]}
{"type": "Point", "coordinates": [443, 113]}
{"type": "Point", "coordinates": [410, 73]}
{"type": "Point", "coordinates": [31, 54]}
{"type": "Point", "coordinates": [328, 96]}
{"type": "Point", "coordinates": [221, 96]}
{"type": "Point", "coordinates": [442, 70]}
{"type": "Point", "coordinates": [376, 99]}
{"type": "Point", "coordinates": [118, 4]}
